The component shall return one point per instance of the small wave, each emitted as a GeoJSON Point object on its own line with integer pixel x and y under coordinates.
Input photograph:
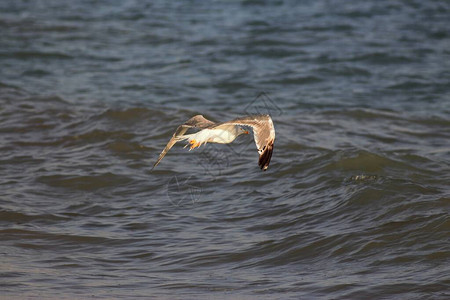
{"type": "Point", "coordinates": [366, 162]}
{"type": "Point", "coordinates": [98, 136]}
{"type": "Point", "coordinates": [382, 58]}
{"type": "Point", "coordinates": [36, 73]}
{"type": "Point", "coordinates": [19, 217]}
{"type": "Point", "coordinates": [35, 55]}
{"type": "Point", "coordinates": [48, 240]}
{"type": "Point", "coordinates": [85, 182]}
{"type": "Point", "coordinates": [410, 85]}
{"type": "Point", "coordinates": [363, 178]}
{"type": "Point", "coordinates": [296, 80]}
{"type": "Point", "coordinates": [344, 71]}
{"type": "Point", "coordinates": [130, 114]}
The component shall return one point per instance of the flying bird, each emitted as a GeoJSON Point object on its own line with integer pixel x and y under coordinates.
{"type": "Point", "coordinates": [225, 133]}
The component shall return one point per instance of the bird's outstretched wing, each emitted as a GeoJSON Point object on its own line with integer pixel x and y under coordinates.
{"type": "Point", "coordinates": [263, 133]}
{"type": "Point", "coordinates": [197, 121]}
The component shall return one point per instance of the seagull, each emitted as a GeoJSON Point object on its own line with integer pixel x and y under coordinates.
{"type": "Point", "coordinates": [225, 133]}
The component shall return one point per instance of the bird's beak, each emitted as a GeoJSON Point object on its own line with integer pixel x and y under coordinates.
{"type": "Point", "coordinates": [246, 132]}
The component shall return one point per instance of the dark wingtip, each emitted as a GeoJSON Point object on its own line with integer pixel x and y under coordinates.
{"type": "Point", "coordinates": [264, 158]}
{"type": "Point", "coordinates": [155, 164]}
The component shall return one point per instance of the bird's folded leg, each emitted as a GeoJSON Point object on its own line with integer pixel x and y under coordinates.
{"type": "Point", "coordinates": [194, 144]}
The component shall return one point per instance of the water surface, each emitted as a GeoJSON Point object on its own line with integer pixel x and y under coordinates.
{"type": "Point", "coordinates": [355, 203]}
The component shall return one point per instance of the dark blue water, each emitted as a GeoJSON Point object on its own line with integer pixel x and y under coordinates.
{"type": "Point", "coordinates": [355, 203]}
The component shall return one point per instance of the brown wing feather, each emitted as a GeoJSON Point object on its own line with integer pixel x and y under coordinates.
{"type": "Point", "coordinates": [264, 158]}
{"type": "Point", "coordinates": [263, 133]}
{"type": "Point", "coordinates": [197, 121]}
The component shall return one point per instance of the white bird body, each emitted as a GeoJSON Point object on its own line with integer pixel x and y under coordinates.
{"type": "Point", "coordinates": [225, 133]}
